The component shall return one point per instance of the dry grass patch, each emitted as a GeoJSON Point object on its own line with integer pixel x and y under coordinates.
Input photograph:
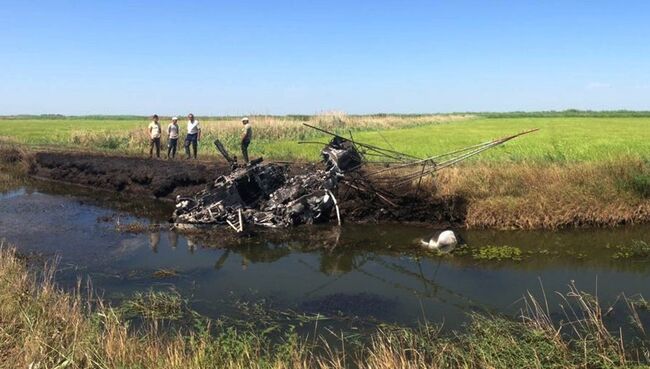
{"type": "Point", "coordinates": [529, 196]}
{"type": "Point", "coordinates": [14, 165]}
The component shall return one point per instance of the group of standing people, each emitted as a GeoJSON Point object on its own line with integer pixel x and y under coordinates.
{"type": "Point", "coordinates": [192, 137]}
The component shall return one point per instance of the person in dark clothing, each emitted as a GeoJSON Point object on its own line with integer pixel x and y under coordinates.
{"type": "Point", "coordinates": [246, 137]}
{"type": "Point", "coordinates": [154, 135]}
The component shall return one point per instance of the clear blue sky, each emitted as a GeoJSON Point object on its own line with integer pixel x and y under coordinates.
{"type": "Point", "coordinates": [282, 57]}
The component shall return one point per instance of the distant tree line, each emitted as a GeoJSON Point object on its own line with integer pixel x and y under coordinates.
{"type": "Point", "coordinates": [301, 117]}
{"type": "Point", "coordinates": [568, 113]}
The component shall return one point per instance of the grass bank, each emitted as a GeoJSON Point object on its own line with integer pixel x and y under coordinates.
{"type": "Point", "coordinates": [45, 327]}
{"type": "Point", "coordinates": [549, 195]}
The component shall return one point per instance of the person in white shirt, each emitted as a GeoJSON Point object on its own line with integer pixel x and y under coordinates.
{"type": "Point", "coordinates": [172, 138]}
{"type": "Point", "coordinates": [193, 135]}
{"type": "Point", "coordinates": [154, 136]}
{"type": "Point", "coordinates": [246, 137]}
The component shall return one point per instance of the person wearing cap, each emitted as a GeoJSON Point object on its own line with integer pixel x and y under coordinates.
{"type": "Point", "coordinates": [172, 138]}
{"type": "Point", "coordinates": [193, 135]}
{"type": "Point", "coordinates": [154, 136]}
{"type": "Point", "coordinates": [246, 137]}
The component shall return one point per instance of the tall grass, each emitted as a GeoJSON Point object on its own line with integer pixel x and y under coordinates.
{"type": "Point", "coordinates": [45, 327]}
{"type": "Point", "coordinates": [130, 135]}
{"type": "Point", "coordinates": [534, 196]}
{"type": "Point", "coordinates": [13, 167]}
{"type": "Point", "coordinates": [268, 130]}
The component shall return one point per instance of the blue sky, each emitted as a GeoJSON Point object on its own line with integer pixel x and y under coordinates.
{"type": "Point", "coordinates": [303, 57]}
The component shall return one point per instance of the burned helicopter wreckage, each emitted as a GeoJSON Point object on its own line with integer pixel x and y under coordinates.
{"type": "Point", "coordinates": [265, 194]}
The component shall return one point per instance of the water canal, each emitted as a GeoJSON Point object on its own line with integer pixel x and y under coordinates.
{"type": "Point", "coordinates": [375, 273]}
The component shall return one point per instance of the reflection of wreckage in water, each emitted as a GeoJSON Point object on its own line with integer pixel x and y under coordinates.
{"type": "Point", "coordinates": [265, 194]}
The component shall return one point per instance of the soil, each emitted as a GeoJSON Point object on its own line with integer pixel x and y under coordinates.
{"type": "Point", "coordinates": [141, 176]}
{"type": "Point", "coordinates": [165, 179]}
{"type": "Point", "coordinates": [442, 211]}
{"type": "Point", "coordinates": [10, 155]}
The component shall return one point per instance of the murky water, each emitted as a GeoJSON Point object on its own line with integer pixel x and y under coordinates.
{"type": "Point", "coordinates": [359, 270]}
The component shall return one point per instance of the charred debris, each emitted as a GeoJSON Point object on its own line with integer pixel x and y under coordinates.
{"type": "Point", "coordinates": [266, 194]}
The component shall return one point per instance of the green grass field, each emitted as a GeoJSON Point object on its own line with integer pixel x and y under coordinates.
{"type": "Point", "coordinates": [59, 131]}
{"type": "Point", "coordinates": [560, 139]}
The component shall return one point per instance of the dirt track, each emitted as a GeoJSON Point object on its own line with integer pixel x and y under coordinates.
{"type": "Point", "coordinates": [165, 179]}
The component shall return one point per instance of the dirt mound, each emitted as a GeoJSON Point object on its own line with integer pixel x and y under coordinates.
{"type": "Point", "coordinates": [158, 178]}
{"type": "Point", "coordinates": [366, 208]}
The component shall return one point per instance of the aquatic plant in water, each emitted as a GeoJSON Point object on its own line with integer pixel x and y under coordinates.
{"type": "Point", "coordinates": [498, 253]}
{"type": "Point", "coordinates": [637, 250]}
{"type": "Point", "coordinates": [168, 305]}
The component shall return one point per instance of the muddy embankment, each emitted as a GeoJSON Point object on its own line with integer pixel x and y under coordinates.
{"type": "Point", "coordinates": [505, 196]}
{"type": "Point", "coordinates": [140, 176]}
{"type": "Point", "coordinates": [165, 179]}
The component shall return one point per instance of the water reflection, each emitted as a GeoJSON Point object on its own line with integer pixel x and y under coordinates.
{"type": "Point", "coordinates": [154, 240]}
{"type": "Point", "coordinates": [173, 239]}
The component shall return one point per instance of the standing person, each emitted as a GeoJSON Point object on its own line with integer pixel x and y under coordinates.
{"type": "Point", "coordinates": [246, 137]}
{"type": "Point", "coordinates": [154, 136]}
{"type": "Point", "coordinates": [172, 138]}
{"type": "Point", "coordinates": [193, 135]}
